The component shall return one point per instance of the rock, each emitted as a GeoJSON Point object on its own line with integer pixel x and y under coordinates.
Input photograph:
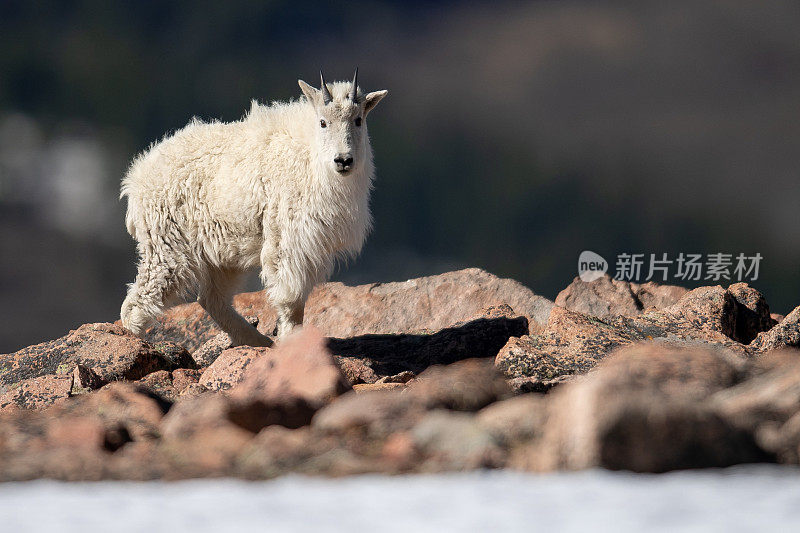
{"type": "Point", "coordinates": [454, 441]}
{"type": "Point", "coordinates": [606, 297]}
{"type": "Point", "coordinates": [191, 416]}
{"type": "Point", "coordinates": [357, 369]}
{"type": "Point", "coordinates": [52, 444]}
{"type": "Point", "coordinates": [200, 439]}
{"type": "Point", "coordinates": [80, 433]}
{"type": "Point", "coordinates": [785, 335]}
{"type": "Point", "coordinates": [170, 385]}
{"type": "Point", "coordinates": [175, 355]}
{"type": "Point", "coordinates": [389, 355]}
{"type": "Point", "coordinates": [206, 354]}
{"type": "Point", "coordinates": [37, 392]}
{"type": "Point", "coordinates": [377, 413]}
{"type": "Point", "coordinates": [571, 343]}
{"type": "Point", "coordinates": [284, 386]}
{"type": "Point", "coordinates": [527, 384]}
{"type": "Point", "coordinates": [654, 296]}
{"type": "Point", "coordinates": [130, 408]}
{"type": "Point", "coordinates": [463, 386]}
{"type": "Point", "coordinates": [364, 387]}
{"type": "Point", "coordinates": [645, 409]}
{"type": "Point", "coordinates": [664, 370]}
{"type": "Point", "coordinates": [277, 450]}
{"type": "Point", "coordinates": [642, 434]}
{"type": "Point", "coordinates": [515, 420]}
{"type": "Point", "coordinates": [109, 350]}
{"type": "Point", "coordinates": [212, 348]}
{"type": "Point", "coordinates": [160, 382]}
{"type": "Point", "coordinates": [603, 297]}
{"type": "Point", "coordinates": [288, 384]}
{"type": "Point", "coordinates": [183, 378]}
{"type": "Point", "coordinates": [767, 400]}
{"type": "Point", "coordinates": [192, 391]}
{"type": "Point", "coordinates": [84, 380]}
{"type": "Point", "coordinates": [752, 312]}
{"type": "Point", "coordinates": [424, 304]}
{"type": "Point", "coordinates": [78, 439]}
{"type": "Point", "coordinates": [709, 309]}
{"type": "Point", "coordinates": [401, 377]}
{"type": "Point", "coordinates": [228, 369]}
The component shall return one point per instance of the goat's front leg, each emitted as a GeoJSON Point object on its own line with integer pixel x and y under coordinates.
{"type": "Point", "coordinates": [290, 316]}
{"type": "Point", "coordinates": [286, 292]}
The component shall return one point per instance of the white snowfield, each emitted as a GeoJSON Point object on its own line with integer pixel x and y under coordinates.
{"type": "Point", "coordinates": [756, 498]}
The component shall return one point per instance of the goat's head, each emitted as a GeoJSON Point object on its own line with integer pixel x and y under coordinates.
{"type": "Point", "coordinates": [341, 111]}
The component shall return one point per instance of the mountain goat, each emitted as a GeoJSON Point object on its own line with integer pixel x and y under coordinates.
{"type": "Point", "coordinates": [285, 189]}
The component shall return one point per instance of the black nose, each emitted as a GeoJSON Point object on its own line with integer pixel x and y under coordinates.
{"type": "Point", "coordinates": [343, 162]}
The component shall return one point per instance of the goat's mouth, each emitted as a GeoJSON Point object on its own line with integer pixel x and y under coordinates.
{"type": "Point", "coordinates": [344, 169]}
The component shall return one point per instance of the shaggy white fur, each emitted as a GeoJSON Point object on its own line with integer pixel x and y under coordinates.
{"type": "Point", "coordinates": [285, 189]}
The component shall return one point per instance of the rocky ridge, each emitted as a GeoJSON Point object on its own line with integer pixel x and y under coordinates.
{"type": "Point", "coordinates": [458, 371]}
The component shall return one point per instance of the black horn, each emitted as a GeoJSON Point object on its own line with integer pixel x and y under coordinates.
{"type": "Point", "coordinates": [326, 94]}
{"type": "Point", "coordinates": [355, 86]}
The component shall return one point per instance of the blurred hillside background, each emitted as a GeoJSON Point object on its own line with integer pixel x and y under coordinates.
{"type": "Point", "coordinates": [515, 134]}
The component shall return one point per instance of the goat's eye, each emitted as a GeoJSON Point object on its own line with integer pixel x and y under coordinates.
{"type": "Point", "coordinates": [323, 124]}
{"type": "Point", "coordinates": [358, 121]}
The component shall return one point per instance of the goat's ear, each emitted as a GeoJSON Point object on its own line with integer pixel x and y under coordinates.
{"type": "Point", "coordinates": [372, 99]}
{"type": "Point", "coordinates": [310, 92]}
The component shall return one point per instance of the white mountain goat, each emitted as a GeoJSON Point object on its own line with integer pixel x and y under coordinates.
{"type": "Point", "coordinates": [285, 189]}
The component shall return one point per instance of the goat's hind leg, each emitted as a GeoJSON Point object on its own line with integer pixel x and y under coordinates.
{"type": "Point", "coordinates": [215, 296]}
{"type": "Point", "coordinates": [155, 287]}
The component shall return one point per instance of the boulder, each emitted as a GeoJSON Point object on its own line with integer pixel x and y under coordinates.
{"type": "Point", "coordinates": [573, 343]}
{"type": "Point", "coordinates": [170, 385]}
{"type": "Point", "coordinates": [391, 354]}
{"type": "Point", "coordinates": [278, 450]}
{"type": "Point", "coordinates": [515, 420]}
{"type": "Point", "coordinates": [765, 403]}
{"type": "Point", "coordinates": [357, 370]}
{"type": "Point", "coordinates": [228, 369]}
{"type": "Point", "coordinates": [183, 378]}
{"type": "Point", "coordinates": [288, 384]}
{"type": "Point", "coordinates": [652, 295]}
{"type": "Point", "coordinates": [199, 439]}
{"type": "Point", "coordinates": [160, 382]}
{"type": "Point", "coordinates": [375, 413]}
{"type": "Point", "coordinates": [641, 434]}
{"type": "Point", "coordinates": [423, 304]}
{"type": "Point", "coordinates": [134, 411]}
{"type": "Point", "coordinates": [606, 297]}
{"type": "Point", "coordinates": [784, 335]}
{"type": "Point", "coordinates": [463, 386]}
{"type": "Point", "coordinates": [418, 305]}
{"type": "Point", "coordinates": [447, 440]}
{"type": "Point", "coordinates": [110, 351]}
{"type": "Point", "coordinates": [646, 409]}
{"type": "Point", "coordinates": [752, 313]}
{"type": "Point", "coordinates": [85, 380]}
{"type": "Point", "coordinates": [37, 392]}
{"type": "Point", "coordinates": [602, 298]}
{"type": "Point", "coordinates": [208, 352]}
{"type": "Point", "coordinates": [365, 387]}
